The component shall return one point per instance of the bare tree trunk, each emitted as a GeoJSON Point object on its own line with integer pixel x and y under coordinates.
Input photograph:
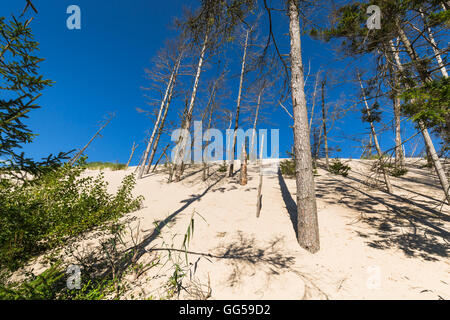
{"type": "Point", "coordinates": [211, 109]}
{"type": "Point", "coordinates": [375, 140]}
{"type": "Point", "coordinates": [324, 123]}
{"type": "Point", "coordinates": [437, 163]}
{"type": "Point", "coordinates": [180, 152]}
{"type": "Point", "coordinates": [163, 120]}
{"type": "Point", "coordinates": [399, 154]}
{"type": "Point", "coordinates": [252, 145]}
{"type": "Point", "coordinates": [308, 227]}
{"type": "Point", "coordinates": [434, 46]}
{"type": "Point", "coordinates": [243, 176]}
{"type": "Point", "coordinates": [238, 107]}
{"type": "Point", "coordinates": [131, 155]}
{"type": "Point", "coordinates": [75, 158]}
{"type": "Point", "coordinates": [158, 119]}
{"type": "Point", "coordinates": [314, 100]}
{"type": "Point", "coordinates": [426, 136]}
{"type": "Point", "coordinates": [160, 157]}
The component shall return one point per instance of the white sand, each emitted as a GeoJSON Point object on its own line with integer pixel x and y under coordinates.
{"type": "Point", "coordinates": [373, 245]}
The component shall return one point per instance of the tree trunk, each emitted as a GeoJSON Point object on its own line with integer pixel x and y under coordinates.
{"type": "Point", "coordinates": [308, 227]}
{"type": "Point", "coordinates": [238, 107]}
{"type": "Point", "coordinates": [314, 100]}
{"type": "Point", "coordinates": [437, 163]}
{"type": "Point", "coordinates": [160, 157]}
{"type": "Point", "coordinates": [252, 145]}
{"type": "Point", "coordinates": [187, 123]}
{"type": "Point", "coordinates": [426, 136]}
{"type": "Point", "coordinates": [324, 123]}
{"type": "Point", "coordinates": [211, 103]}
{"type": "Point", "coordinates": [158, 119]}
{"type": "Point", "coordinates": [131, 155]}
{"type": "Point", "coordinates": [72, 161]}
{"type": "Point", "coordinates": [399, 154]}
{"type": "Point", "coordinates": [434, 46]}
{"type": "Point", "coordinates": [375, 141]}
{"type": "Point", "coordinates": [163, 120]}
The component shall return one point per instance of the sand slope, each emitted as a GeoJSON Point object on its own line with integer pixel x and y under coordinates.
{"type": "Point", "coordinates": [373, 245]}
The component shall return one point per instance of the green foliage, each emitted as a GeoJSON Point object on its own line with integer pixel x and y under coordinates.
{"type": "Point", "coordinates": [429, 103]}
{"type": "Point", "coordinates": [398, 172]}
{"type": "Point", "coordinates": [438, 18]}
{"type": "Point", "coordinates": [60, 204]}
{"type": "Point", "coordinates": [20, 87]}
{"type": "Point", "coordinates": [337, 167]}
{"type": "Point", "coordinates": [105, 165]}
{"type": "Point", "coordinates": [223, 168]}
{"type": "Point", "coordinates": [51, 285]}
{"type": "Point", "coordinates": [373, 115]}
{"type": "Point", "coordinates": [287, 167]}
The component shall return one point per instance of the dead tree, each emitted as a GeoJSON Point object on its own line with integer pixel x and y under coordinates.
{"type": "Point", "coordinates": [75, 158]}
{"type": "Point", "coordinates": [159, 116]}
{"type": "Point", "coordinates": [324, 124]}
{"type": "Point", "coordinates": [181, 145]}
{"type": "Point", "coordinates": [238, 106]}
{"type": "Point", "coordinates": [375, 140]}
{"type": "Point", "coordinates": [159, 159]}
{"type": "Point", "coordinates": [133, 148]}
{"type": "Point", "coordinates": [251, 151]}
{"type": "Point", "coordinates": [163, 121]}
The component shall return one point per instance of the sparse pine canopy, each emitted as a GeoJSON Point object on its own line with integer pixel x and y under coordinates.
{"type": "Point", "coordinates": [20, 87]}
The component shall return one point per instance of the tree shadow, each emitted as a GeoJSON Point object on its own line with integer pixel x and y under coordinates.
{"type": "Point", "coordinates": [291, 205]}
{"type": "Point", "coordinates": [393, 221]}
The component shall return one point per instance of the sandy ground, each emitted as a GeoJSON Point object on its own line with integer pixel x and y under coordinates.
{"type": "Point", "coordinates": [373, 245]}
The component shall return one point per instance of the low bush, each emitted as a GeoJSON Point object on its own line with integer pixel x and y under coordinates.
{"type": "Point", "coordinates": [43, 213]}
{"type": "Point", "coordinates": [287, 167]}
{"type": "Point", "coordinates": [337, 167]}
{"type": "Point", "coordinates": [223, 168]}
{"type": "Point", "coordinates": [398, 172]}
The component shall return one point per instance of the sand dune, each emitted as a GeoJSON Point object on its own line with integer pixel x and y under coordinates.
{"type": "Point", "coordinates": [373, 245]}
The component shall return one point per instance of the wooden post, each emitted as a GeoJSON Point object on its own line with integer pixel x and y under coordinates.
{"type": "Point", "coordinates": [259, 198]}
{"type": "Point", "coordinates": [243, 176]}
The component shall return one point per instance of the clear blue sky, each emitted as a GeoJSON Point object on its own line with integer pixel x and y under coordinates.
{"type": "Point", "coordinates": [100, 69]}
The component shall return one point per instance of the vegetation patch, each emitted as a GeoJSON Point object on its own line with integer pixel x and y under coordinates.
{"type": "Point", "coordinates": [113, 166]}
{"type": "Point", "coordinates": [337, 167]}
{"type": "Point", "coordinates": [43, 213]}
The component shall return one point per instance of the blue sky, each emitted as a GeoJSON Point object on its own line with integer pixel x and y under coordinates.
{"type": "Point", "coordinates": [100, 69]}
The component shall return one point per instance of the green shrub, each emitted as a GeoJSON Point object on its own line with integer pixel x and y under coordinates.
{"type": "Point", "coordinates": [223, 168]}
{"type": "Point", "coordinates": [287, 167]}
{"type": "Point", "coordinates": [105, 165]}
{"type": "Point", "coordinates": [60, 204]}
{"type": "Point", "coordinates": [398, 172]}
{"type": "Point", "coordinates": [337, 167]}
